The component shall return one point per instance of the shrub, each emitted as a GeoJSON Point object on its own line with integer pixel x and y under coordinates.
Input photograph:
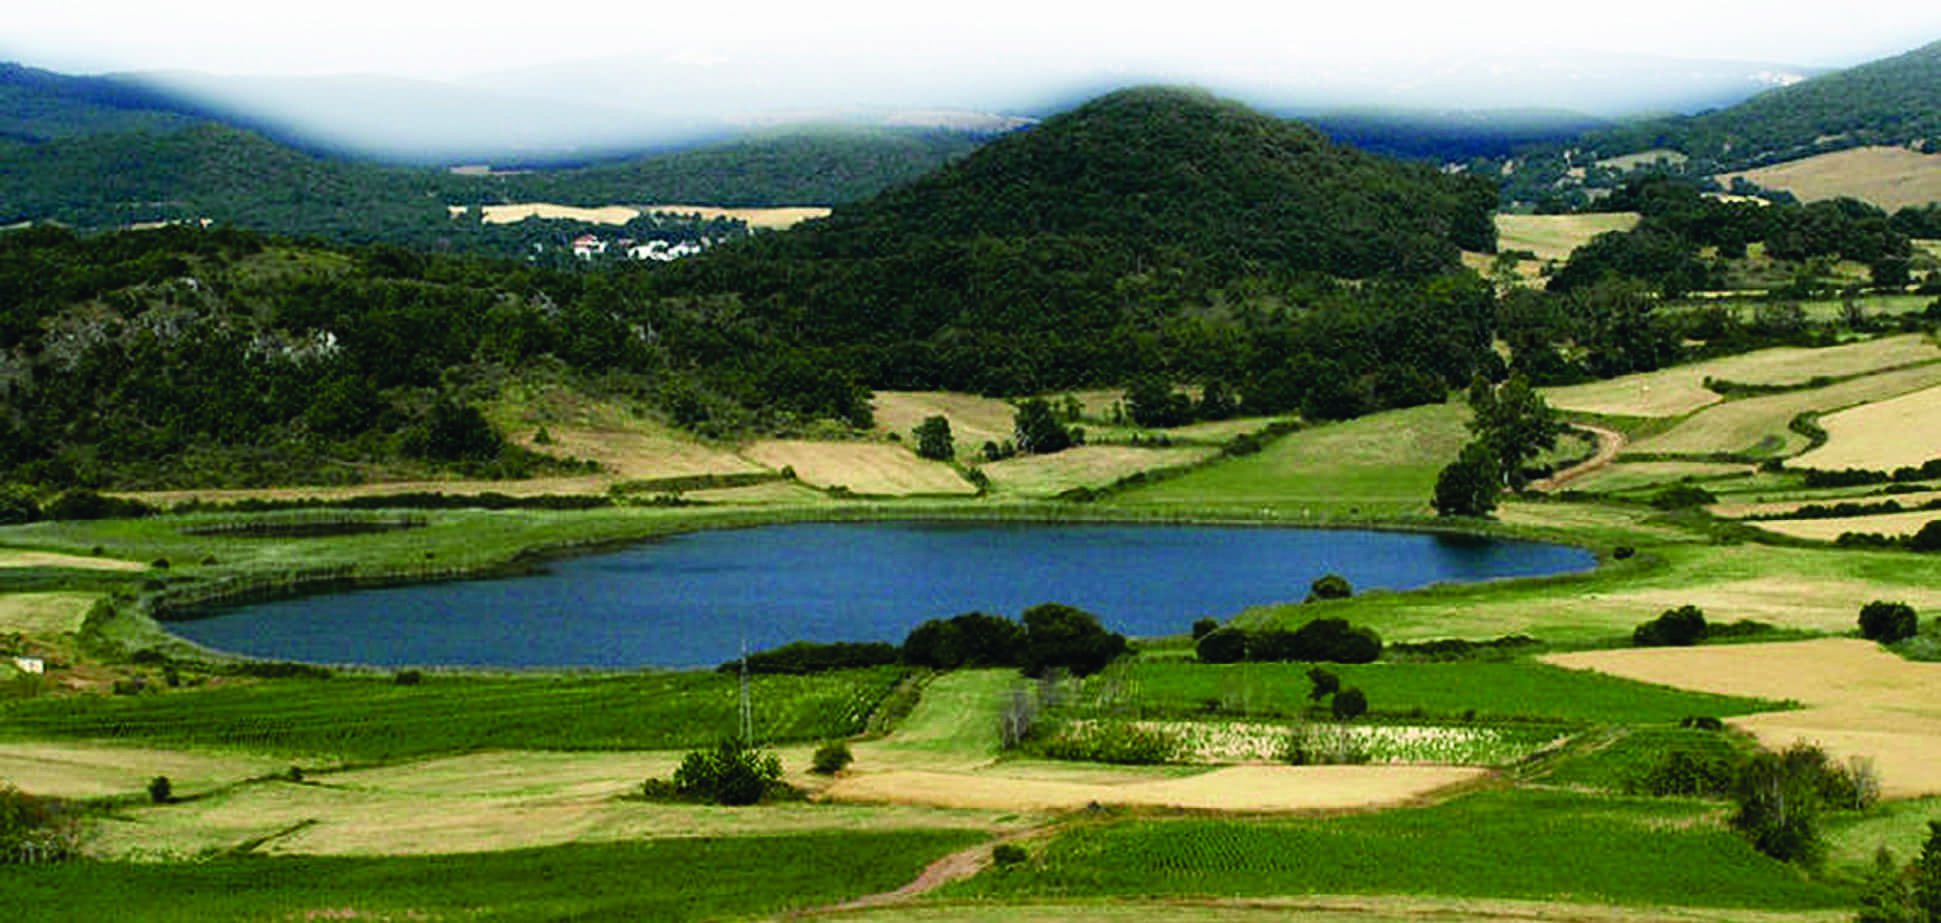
{"type": "Point", "coordinates": [160, 790]}
{"type": "Point", "coordinates": [35, 829]}
{"type": "Point", "coordinates": [1325, 684]}
{"type": "Point", "coordinates": [1689, 773]}
{"type": "Point", "coordinates": [832, 758]}
{"type": "Point", "coordinates": [1888, 622]}
{"type": "Point", "coordinates": [1335, 641]}
{"type": "Point", "coordinates": [1058, 636]}
{"type": "Point", "coordinates": [802, 657]}
{"type": "Point", "coordinates": [1118, 743]}
{"type": "Point", "coordinates": [1623, 552]}
{"type": "Point", "coordinates": [1331, 586]}
{"type": "Point", "coordinates": [1928, 539]}
{"type": "Point", "coordinates": [408, 678]}
{"type": "Point", "coordinates": [1225, 645]}
{"type": "Point", "coordinates": [1006, 855]}
{"type": "Point", "coordinates": [1349, 704]}
{"type": "Point", "coordinates": [733, 773]}
{"type": "Point", "coordinates": [1780, 798]}
{"type": "Point", "coordinates": [1204, 627]}
{"type": "Point", "coordinates": [1683, 497]}
{"type": "Point", "coordinates": [1680, 627]}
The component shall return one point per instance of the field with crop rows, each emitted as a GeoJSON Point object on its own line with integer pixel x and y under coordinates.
{"type": "Point", "coordinates": [1483, 691]}
{"type": "Point", "coordinates": [1513, 844]}
{"type": "Point", "coordinates": [376, 719]}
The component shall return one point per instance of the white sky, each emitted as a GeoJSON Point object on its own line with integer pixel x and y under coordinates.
{"type": "Point", "coordinates": [1195, 39]}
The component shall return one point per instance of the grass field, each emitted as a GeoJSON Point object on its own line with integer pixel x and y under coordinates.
{"type": "Point", "coordinates": [375, 719]}
{"type": "Point", "coordinates": [89, 770]}
{"type": "Point", "coordinates": [1552, 237]}
{"type": "Point", "coordinates": [1481, 691]}
{"type": "Point", "coordinates": [670, 879]}
{"type": "Point", "coordinates": [1379, 465]}
{"type": "Point", "coordinates": [43, 615]}
{"type": "Point", "coordinates": [1862, 701]}
{"type": "Point", "coordinates": [1084, 466]}
{"type": "Point", "coordinates": [1890, 177]}
{"type": "Point", "coordinates": [1623, 476]}
{"type": "Point", "coordinates": [1643, 159]}
{"type": "Point", "coordinates": [871, 468]}
{"type": "Point", "coordinates": [973, 420]}
{"type": "Point", "coordinates": [1620, 761]}
{"type": "Point", "coordinates": [1496, 844]}
{"type": "Point", "coordinates": [1681, 389]}
{"type": "Point", "coordinates": [1881, 436]}
{"type": "Point", "coordinates": [1758, 425]}
{"type": "Point", "coordinates": [628, 445]}
{"type": "Point", "coordinates": [1788, 587]}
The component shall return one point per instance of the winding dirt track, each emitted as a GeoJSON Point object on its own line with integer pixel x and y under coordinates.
{"type": "Point", "coordinates": [1609, 443]}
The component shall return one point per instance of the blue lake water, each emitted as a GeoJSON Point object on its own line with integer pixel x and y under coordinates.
{"type": "Point", "coordinates": [687, 600]}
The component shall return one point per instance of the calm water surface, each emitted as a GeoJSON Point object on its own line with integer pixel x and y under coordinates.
{"type": "Point", "coordinates": [688, 599]}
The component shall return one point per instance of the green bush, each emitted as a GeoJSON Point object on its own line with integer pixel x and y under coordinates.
{"type": "Point", "coordinates": [1888, 622]}
{"type": "Point", "coordinates": [1349, 704]}
{"type": "Point", "coordinates": [1689, 773]}
{"type": "Point", "coordinates": [733, 773]}
{"type": "Point", "coordinates": [1680, 627]}
{"type": "Point", "coordinates": [1111, 743]}
{"type": "Point", "coordinates": [1225, 645]}
{"type": "Point", "coordinates": [161, 790]}
{"type": "Point", "coordinates": [1331, 586]}
{"type": "Point", "coordinates": [1006, 855]}
{"type": "Point", "coordinates": [34, 829]}
{"type": "Point", "coordinates": [1204, 627]}
{"type": "Point", "coordinates": [1325, 683]}
{"type": "Point", "coordinates": [832, 757]}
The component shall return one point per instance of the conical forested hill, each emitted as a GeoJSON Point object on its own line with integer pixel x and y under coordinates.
{"type": "Point", "coordinates": [1153, 168]}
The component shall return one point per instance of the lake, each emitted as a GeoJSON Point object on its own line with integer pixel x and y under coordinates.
{"type": "Point", "coordinates": [688, 600]}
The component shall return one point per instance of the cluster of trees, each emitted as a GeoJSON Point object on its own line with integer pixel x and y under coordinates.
{"type": "Point", "coordinates": [1663, 251]}
{"type": "Point", "coordinates": [1046, 637]}
{"type": "Point", "coordinates": [1680, 627]}
{"type": "Point", "coordinates": [1325, 640]}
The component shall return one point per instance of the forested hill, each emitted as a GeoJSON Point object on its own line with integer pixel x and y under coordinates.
{"type": "Point", "coordinates": [1154, 168]}
{"type": "Point", "coordinates": [1892, 101]}
{"type": "Point", "coordinates": [37, 105]}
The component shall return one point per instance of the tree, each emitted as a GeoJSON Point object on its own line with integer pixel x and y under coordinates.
{"type": "Point", "coordinates": [1152, 402]}
{"type": "Point", "coordinates": [973, 639]}
{"type": "Point", "coordinates": [1330, 586]}
{"type": "Point", "coordinates": [1058, 636]}
{"type": "Point", "coordinates": [1928, 539]}
{"type": "Point", "coordinates": [1349, 704]}
{"type": "Point", "coordinates": [1324, 683]}
{"type": "Point", "coordinates": [1888, 622]}
{"type": "Point", "coordinates": [1926, 872]}
{"type": "Point", "coordinates": [1514, 422]}
{"type": "Point", "coordinates": [1224, 645]}
{"type": "Point", "coordinates": [933, 439]}
{"type": "Point", "coordinates": [1469, 485]}
{"type": "Point", "coordinates": [1038, 430]}
{"type": "Point", "coordinates": [1885, 897]}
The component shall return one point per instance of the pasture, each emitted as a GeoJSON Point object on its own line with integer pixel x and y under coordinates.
{"type": "Point", "coordinates": [1758, 426]}
{"type": "Point", "coordinates": [869, 468]}
{"type": "Point", "coordinates": [1680, 390]}
{"type": "Point", "coordinates": [1085, 466]}
{"type": "Point", "coordinates": [1380, 465]}
{"type": "Point", "coordinates": [1890, 177]}
{"type": "Point", "coordinates": [1860, 700]}
{"type": "Point", "coordinates": [1553, 237]}
{"type": "Point", "coordinates": [43, 615]}
{"type": "Point", "coordinates": [1881, 436]}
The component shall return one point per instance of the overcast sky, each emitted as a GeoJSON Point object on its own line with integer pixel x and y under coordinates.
{"type": "Point", "coordinates": [1195, 39]}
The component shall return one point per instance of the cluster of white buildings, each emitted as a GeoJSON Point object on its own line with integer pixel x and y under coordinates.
{"type": "Point", "coordinates": [587, 246]}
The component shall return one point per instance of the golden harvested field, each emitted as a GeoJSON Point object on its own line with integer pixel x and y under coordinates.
{"type": "Point", "coordinates": [973, 420]}
{"type": "Point", "coordinates": [768, 219]}
{"type": "Point", "coordinates": [1628, 475]}
{"type": "Point", "coordinates": [1780, 507]}
{"type": "Point", "coordinates": [88, 770]}
{"type": "Point", "coordinates": [1881, 436]}
{"type": "Point", "coordinates": [478, 802]}
{"type": "Point", "coordinates": [863, 467]}
{"type": "Point", "coordinates": [1552, 237]}
{"type": "Point", "coordinates": [512, 214]}
{"type": "Point", "coordinates": [43, 615]}
{"type": "Point", "coordinates": [1759, 424]}
{"type": "Point", "coordinates": [1860, 700]}
{"type": "Point", "coordinates": [1084, 466]}
{"type": "Point", "coordinates": [628, 445]}
{"type": "Point", "coordinates": [1235, 788]}
{"type": "Point", "coordinates": [1681, 390]}
{"type": "Point", "coordinates": [1890, 177]}
{"type": "Point", "coordinates": [13, 557]}
{"type": "Point", "coordinates": [1826, 530]}
{"type": "Point", "coordinates": [765, 218]}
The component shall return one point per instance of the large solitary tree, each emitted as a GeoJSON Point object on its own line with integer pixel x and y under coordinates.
{"type": "Point", "coordinates": [1514, 423]}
